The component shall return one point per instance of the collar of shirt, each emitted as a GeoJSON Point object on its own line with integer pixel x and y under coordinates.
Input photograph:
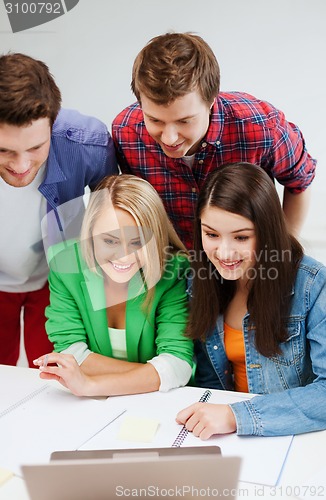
{"type": "Point", "coordinates": [215, 129]}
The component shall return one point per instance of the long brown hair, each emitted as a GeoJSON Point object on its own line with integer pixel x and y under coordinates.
{"type": "Point", "coordinates": [246, 190]}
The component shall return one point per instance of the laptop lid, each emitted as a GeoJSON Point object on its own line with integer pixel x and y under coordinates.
{"type": "Point", "coordinates": [109, 474]}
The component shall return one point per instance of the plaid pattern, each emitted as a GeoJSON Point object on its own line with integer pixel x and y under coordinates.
{"type": "Point", "coordinates": [242, 129]}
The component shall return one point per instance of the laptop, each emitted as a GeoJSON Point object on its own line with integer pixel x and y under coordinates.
{"type": "Point", "coordinates": [186, 472]}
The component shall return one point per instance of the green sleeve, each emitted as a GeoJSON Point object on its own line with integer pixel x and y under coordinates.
{"type": "Point", "coordinates": [172, 312]}
{"type": "Point", "coordinates": [64, 325]}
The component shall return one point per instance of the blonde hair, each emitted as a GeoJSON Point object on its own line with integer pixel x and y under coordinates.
{"type": "Point", "coordinates": [137, 197]}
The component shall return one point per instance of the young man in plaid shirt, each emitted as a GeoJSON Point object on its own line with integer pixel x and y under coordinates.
{"type": "Point", "coordinates": [182, 128]}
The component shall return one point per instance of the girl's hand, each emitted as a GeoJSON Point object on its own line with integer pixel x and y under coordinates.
{"type": "Point", "coordinates": [66, 371]}
{"type": "Point", "coordinates": [204, 419]}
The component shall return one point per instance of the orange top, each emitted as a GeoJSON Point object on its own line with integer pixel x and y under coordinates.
{"type": "Point", "coordinates": [235, 352]}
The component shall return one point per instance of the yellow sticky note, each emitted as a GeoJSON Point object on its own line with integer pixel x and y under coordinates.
{"type": "Point", "coordinates": [5, 475]}
{"type": "Point", "coordinates": [138, 429]}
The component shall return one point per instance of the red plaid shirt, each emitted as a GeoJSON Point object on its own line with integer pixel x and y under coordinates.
{"type": "Point", "coordinates": [242, 129]}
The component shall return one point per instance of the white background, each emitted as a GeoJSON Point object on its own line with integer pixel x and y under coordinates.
{"type": "Point", "coordinates": [274, 50]}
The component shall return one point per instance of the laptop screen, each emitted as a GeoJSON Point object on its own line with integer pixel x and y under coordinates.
{"type": "Point", "coordinates": [111, 474]}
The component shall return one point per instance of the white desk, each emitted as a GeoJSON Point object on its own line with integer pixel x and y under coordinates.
{"type": "Point", "coordinates": [303, 461]}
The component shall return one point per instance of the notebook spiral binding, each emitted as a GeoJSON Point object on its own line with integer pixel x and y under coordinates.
{"type": "Point", "coordinates": [184, 431]}
{"type": "Point", "coordinates": [24, 400]}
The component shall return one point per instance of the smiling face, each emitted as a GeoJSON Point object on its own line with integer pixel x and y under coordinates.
{"type": "Point", "coordinates": [23, 150]}
{"type": "Point", "coordinates": [117, 244]}
{"type": "Point", "coordinates": [229, 240]}
{"type": "Point", "coordinates": [177, 127]}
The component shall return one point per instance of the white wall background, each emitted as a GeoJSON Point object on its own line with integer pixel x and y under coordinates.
{"type": "Point", "coordinates": [274, 50]}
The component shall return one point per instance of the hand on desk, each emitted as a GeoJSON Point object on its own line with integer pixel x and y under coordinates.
{"type": "Point", "coordinates": [66, 371]}
{"type": "Point", "coordinates": [204, 419]}
{"type": "Point", "coordinates": [122, 377]}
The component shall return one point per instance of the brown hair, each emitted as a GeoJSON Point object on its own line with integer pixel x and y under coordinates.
{"type": "Point", "coordinates": [247, 190]}
{"type": "Point", "coordinates": [27, 91]}
{"type": "Point", "coordinates": [174, 64]}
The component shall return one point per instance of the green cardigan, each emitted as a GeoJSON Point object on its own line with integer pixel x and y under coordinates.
{"type": "Point", "coordinates": [77, 311]}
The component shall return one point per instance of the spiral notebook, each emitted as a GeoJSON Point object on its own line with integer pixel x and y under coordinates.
{"type": "Point", "coordinates": [263, 457]}
{"type": "Point", "coordinates": [104, 474]}
{"type": "Point", "coordinates": [34, 410]}
{"type": "Point", "coordinates": [184, 432]}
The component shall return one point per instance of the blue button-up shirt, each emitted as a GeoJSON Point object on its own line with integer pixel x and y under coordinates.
{"type": "Point", "coordinates": [81, 154]}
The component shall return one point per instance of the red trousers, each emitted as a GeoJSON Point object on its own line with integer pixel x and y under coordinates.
{"type": "Point", "coordinates": [35, 338]}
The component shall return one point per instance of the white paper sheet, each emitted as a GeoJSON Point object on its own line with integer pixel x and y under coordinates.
{"type": "Point", "coordinates": [16, 383]}
{"type": "Point", "coordinates": [57, 420]}
{"type": "Point", "coordinates": [263, 457]}
{"type": "Point", "coordinates": [314, 486]}
{"type": "Point", "coordinates": [54, 419]}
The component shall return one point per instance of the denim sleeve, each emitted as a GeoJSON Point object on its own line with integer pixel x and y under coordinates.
{"type": "Point", "coordinates": [300, 409]}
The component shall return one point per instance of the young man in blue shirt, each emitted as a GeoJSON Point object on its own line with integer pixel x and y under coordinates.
{"type": "Point", "coordinates": [47, 157]}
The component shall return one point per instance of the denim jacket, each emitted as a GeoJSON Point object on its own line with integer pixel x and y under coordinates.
{"type": "Point", "coordinates": [292, 385]}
